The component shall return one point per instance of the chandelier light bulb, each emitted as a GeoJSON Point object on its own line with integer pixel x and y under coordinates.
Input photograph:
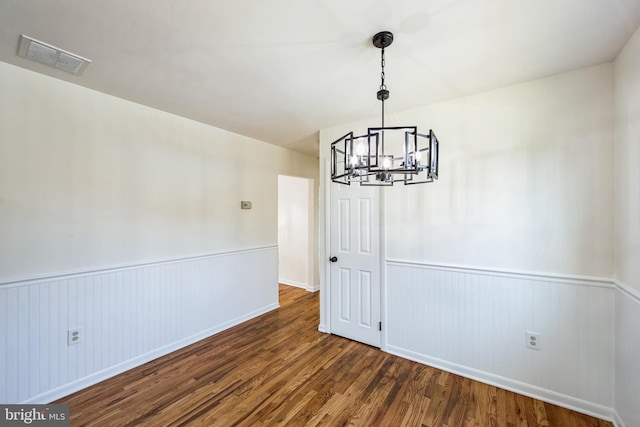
{"type": "Point", "coordinates": [386, 163]}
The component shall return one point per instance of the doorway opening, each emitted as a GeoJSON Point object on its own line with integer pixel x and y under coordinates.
{"type": "Point", "coordinates": [296, 243]}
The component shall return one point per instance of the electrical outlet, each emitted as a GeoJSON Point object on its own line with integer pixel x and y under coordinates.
{"type": "Point", "coordinates": [533, 340]}
{"type": "Point", "coordinates": [74, 336]}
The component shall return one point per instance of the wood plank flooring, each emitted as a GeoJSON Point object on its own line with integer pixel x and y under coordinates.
{"type": "Point", "coordinates": [278, 369]}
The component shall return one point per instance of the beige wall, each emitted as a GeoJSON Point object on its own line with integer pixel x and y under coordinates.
{"type": "Point", "coordinates": [526, 179]}
{"type": "Point", "coordinates": [91, 181]}
{"type": "Point", "coordinates": [627, 215]}
{"type": "Point", "coordinates": [627, 163]}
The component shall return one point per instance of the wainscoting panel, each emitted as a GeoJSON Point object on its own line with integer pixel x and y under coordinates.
{"type": "Point", "coordinates": [628, 356]}
{"type": "Point", "coordinates": [127, 316]}
{"type": "Point", "coordinates": [474, 322]}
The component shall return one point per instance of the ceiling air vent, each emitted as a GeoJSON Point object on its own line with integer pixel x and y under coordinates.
{"type": "Point", "coordinates": [52, 56]}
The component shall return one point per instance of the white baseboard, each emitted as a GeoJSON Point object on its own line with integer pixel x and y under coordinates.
{"type": "Point", "coordinates": [297, 284]}
{"type": "Point", "coordinates": [617, 421]}
{"type": "Point", "coordinates": [112, 371]}
{"type": "Point", "coordinates": [569, 402]}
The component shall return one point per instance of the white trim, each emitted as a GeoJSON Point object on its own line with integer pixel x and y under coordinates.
{"type": "Point", "coordinates": [382, 245]}
{"type": "Point", "coordinates": [539, 393]}
{"type": "Point", "coordinates": [125, 267]}
{"type": "Point", "coordinates": [297, 284]}
{"type": "Point", "coordinates": [322, 328]}
{"type": "Point", "coordinates": [627, 291]}
{"type": "Point", "coordinates": [311, 215]}
{"type": "Point", "coordinates": [617, 421]}
{"type": "Point", "coordinates": [600, 282]}
{"type": "Point", "coordinates": [325, 296]}
{"type": "Point", "coordinates": [112, 371]}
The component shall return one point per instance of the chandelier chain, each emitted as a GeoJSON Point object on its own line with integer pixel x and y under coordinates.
{"type": "Point", "coordinates": [382, 85]}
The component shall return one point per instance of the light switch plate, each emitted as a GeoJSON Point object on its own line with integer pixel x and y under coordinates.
{"type": "Point", "coordinates": [245, 204]}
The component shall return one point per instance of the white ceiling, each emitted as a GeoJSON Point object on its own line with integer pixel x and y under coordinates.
{"type": "Point", "coordinates": [280, 70]}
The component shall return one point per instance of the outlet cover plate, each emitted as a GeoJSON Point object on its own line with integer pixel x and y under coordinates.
{"type": "Point", "coordinates": [533, 340]}
{"type": "Point", "coordinates": [74, 336]}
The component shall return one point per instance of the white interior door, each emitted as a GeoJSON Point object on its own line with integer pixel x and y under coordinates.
{"type": "Point", "coordinates": [355, 272]}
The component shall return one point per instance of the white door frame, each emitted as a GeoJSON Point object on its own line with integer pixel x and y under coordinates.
{"type": "Point", "coordinates": [325, 291]}
{"type": "Point", "coordinates": [383, 269]}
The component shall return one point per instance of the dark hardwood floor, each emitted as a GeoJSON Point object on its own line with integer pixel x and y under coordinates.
{"type": "Point", "coordinates": [278, 369]}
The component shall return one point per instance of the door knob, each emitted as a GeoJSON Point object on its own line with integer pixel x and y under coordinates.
{"type": "Point", "coordinates": [333, 259]}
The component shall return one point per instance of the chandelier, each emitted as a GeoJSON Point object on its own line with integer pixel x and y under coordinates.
{"type": "Point", "coordinates": [385, 155]}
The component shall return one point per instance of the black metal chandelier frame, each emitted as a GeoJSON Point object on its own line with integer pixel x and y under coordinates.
{"type": "Point", "coordinates": [368, 160]}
